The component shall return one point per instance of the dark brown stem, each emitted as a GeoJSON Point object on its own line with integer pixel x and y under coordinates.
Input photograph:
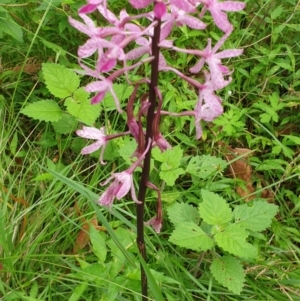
{"type": "Point", "coordinates": [146, 167]}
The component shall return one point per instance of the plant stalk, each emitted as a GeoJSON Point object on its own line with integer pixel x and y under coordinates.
{"type": "Point", "coordinates": [146, 168]}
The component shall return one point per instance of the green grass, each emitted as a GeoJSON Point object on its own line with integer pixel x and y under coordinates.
{"type": "Point", "coordinates": [47, 190]}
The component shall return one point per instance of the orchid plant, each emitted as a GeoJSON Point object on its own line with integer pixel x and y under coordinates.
{"type": "Point", "coordinates": [123, 46]}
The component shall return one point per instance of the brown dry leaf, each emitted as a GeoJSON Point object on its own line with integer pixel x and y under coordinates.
{"type": "Point", "coordinates": [241, 169]}
{"type": "Point", "coordinates": [83, 237]}
{"type": "Point", "coordinates": [28, 68]}
{"type": "Point", "coordinates": [268, 194]}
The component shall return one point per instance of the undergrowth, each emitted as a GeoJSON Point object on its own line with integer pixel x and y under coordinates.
{"type": "Point", "coordinates": [57, 244]}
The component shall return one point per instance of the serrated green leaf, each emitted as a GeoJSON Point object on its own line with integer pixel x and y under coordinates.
{"type": "Point", "coordinates": [170, 196]}
{"type": "Point", "coordinates": [229, 272]}
{"type": "Point", "coordinates": [80, 107]}
{"type": "Point", "coordinates": [60, 81]}
{"type": "Point", "coordinates": [43, 110]}
{"type": "Point", "coordinates": [67, 124]}
{"type": "Point", "coordinates": [189, 235]}
{"type": "Point", "coordinates": [170, 176]}
{"type": "Point", "coordinates": [214, 210]}
{"type": "Point", "coordinates": [170, 158]}
{"type": "Point", "coordinates": [98, 244]}
{"type": "Point", "coordinates": [257, 217]}
{"type": "Point", "coordinates": [233, 240]}
{"type": "Point", "coordinates": [205, 166]}
{"type": "Point", "coordinates": [180, 213]}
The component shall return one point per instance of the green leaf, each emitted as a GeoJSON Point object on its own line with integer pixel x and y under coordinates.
{"type": "Point", "coordinates": [257, 217]}
{"type": "Point", "coordinates": [271, 164]}
{"type": "Point", "coordinates": [14, 144]}
{"type": "Point", "coordinates": [170, 162]}
{"type": "Point", "coordinates": [127, 149]}
{"type": "Point", "coordinates": [189, 235]}
{"type": "Point", "coordinates": [161, 278]}
{"type": "Point", "coordinates": [98, 244]}
{"type": "Point", "coordinates": [11, 28]}
{"type": "Point", "coordinates": [60, 81]}
{"type": "Point", "coordinates": [229, 272]}
{"type": "Point", "coordinates": [170, 176]}
{"type": "Point", "coordinates": [93, 272]}
{"type": "Point", "coordinates": [54, 47]}
{"type": "Point", "coordinates": [67, 124]}
{"type": "Point", "coordinates": [233, 240]}
{"type": "Point", "coordinates": [170, 158]}
{"type": "Point", "coordinates": [80, 107]}
{"type": "Point", "coordinates": [276, 12]}
{"type": "Point", "coordinates": [44, 5]}
{"type": "Point", "coordinates": [169, 196]}
{"type": "Point", "coordinates": [294, 139]}
{"type": "Point", "coordinates": [179, 213]}
{"type": "Point", "coordinates": [205, 166]}
{"type": "Point", "coordinates": [43, 177]}
{"type": "Point", "coordinates": [78, 291]}
{"type": "Point", "coordinates": [214, 210]}
{"type": "Point", "coordinates": [127, 239]}
{"type": "Point", "coordinates": [43, 110]}
{"type": "Point", "coordinates": [265, 118]}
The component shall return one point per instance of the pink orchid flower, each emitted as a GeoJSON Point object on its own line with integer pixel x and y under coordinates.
{"type": "Point", "coordinates": [208, 107]}
{"type": "Point", "coordinates": [91, 6]}
{"type": "Point", "coordinates": [217, 8]}
{"type": "Point", "coordinates": [122, 183]}
{"type": "Point", "coordinates": [213, 60]}
{"type": "Point", "coordinates": [95, 134]}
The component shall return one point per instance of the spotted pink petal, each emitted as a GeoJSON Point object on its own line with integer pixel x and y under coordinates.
{"type": "Point", "coordinates": [192, 22]}
{"type": "Point", "coordinates": [185, 5]}
{"type": "Point", "coordinates": [137, 53]}
{"type": "Point", "coordinates": [125, 181]}
{"type": "Point", "coordinates": [231, 5]}
{"type": "Point", "coordinates": [140, 3]}
{"type": "Point", "coordinates": [107, 197]}
{"type": "Point", "coordinates": [91, 133]}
